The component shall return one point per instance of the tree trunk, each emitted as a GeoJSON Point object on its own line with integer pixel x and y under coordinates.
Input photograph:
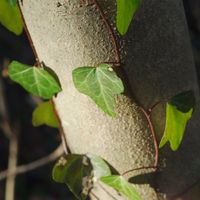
{"type": "Point", "coordinates": [156, 64]}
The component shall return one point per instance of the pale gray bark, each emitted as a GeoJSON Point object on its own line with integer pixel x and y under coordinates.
{"type": "Point", "coordinates": [158, 64]}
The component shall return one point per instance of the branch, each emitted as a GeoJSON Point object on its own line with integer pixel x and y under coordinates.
{"type": "Point", "coordinates": [148, 117]}
{"type": "Point", "coordinates": [94, 195]}
{"type": "Point", "coordinates": [38, 64]}
{"type": "Point", "coordinates": [29, 36]}
{"type": "Point", "coordinates": [107, 192]}
{"type": "Point", "coordinates": [12, 165]}
{"type": "Point", "coordinates": [139, 168]}
{"type": "Point", "coordinates": [110, 30]}
{"type": "Point", "coordinates": [35, 164]}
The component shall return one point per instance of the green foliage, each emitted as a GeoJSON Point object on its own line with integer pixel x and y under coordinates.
{"type": "Point", "coordinates": [75, 172]}
{"type": "Point", "coordinates": [125, 12]}
{"type": "Point", "coordinates": [100, 167]}
{"type": "Point", "coordinates": [10, 16]}
{"type": "Point", "coordinates": [122, 186]}
{"type": "Point", "coordinates": [44, 114]}
{"type": "Point", "coordinates": [100, 84]}
{"type": "Point", "coordinates": [12, 2]}
{"type": "Point", "coordinates": [78, 172]}
{"type": "Point", "coordinates": [184, 101]}
{"type": "Point", "coordinates": [35, 80]}
{"type": "Point", "coordinates": [178, 112]}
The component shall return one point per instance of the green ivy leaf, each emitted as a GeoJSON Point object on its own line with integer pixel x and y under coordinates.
{"type": "Point", "coordinates": [175, 126]}
{"type": "Point", "coordinates": [100, 84]}
{"type": "Point", "coordinates": [125, 12]}
{"type": "Point", "coordinates": [184, 101]}
{"type": "Point", "coordinates": [35, 80]}
{"type": "Point", "coordinates": [178, 112]}
{"type": "Point", "coordinates": [12, 2]}
{"type": "Point", "coordinates": [10, 16]}
{"type": "Point", "coordinates": [75, 172]}
{"type": "Point", "coordinates": [122, 186]}
{"type": "Point", "coordinates": [100, 167]}
{"type": "Point", "coordinates": [44, 114]}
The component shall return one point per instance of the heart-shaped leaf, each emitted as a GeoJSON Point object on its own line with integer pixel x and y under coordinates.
{"type": "Point", "coordinates": [100, 84]}
{"type": "Point", "coordinates": [176, 122]}
{"type": "Point", "coordinates": [10, 16]}
{"type": "Point", "coordinates": [75, 172]}
{"type": "Point", "coordinates": [35, 80]}
{"type": "Point", "coordinates": [125, 12]}
{"type": "Point", "coordinates": [44, 114]}
{"type": "Point", "coordinates": [178, 112]}
{"type": "Point", "coordinates": [122, 186]}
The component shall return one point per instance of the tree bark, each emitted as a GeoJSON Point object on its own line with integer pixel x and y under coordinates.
{"type": "Point", "coordinates": [157, 64]}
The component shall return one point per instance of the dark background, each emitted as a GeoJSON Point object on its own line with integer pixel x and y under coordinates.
{"type": "Point", "coordinates": [35, 143]}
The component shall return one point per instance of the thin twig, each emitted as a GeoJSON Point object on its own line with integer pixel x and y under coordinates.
{"type": "Point", "coordinates": [61, 130]}
{"type": "Point", "coordinates": [139, 168]}
{"type": "Point", "coordinates": [35, 164]}
{"type": "Point", "coordinates": [152, 107]}
{"type": "Point", "coordinates": [12, 136]}
{"type": "Point", "coordinates": [108, 193]}
{"type": "Point", "coordinates": [29, 36]}
{"type": "Point", "coordinates": [12, 165]}
{"type": "Point", "coordinates": [95, 196]}
{"type": "Point", "coordinates": [148, 117]}
{"type": "Point", "coordinates": [111, 32]}
{"type": "Point", "coordinates": [38, 64]}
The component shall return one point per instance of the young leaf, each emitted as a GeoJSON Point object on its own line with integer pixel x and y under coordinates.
{"type": "Point", "coordinates": [44, 114]}
{"type": "Point", "coordinates": [10, 16]}
{"type": "Point", "coordinates": [75, 172]}
{"type": "Point", "coordinates": [122, 186]}
{"type": "Point", "coordinates": [178, 111]}
{"type": "Point", "coordinates": [100, 84]}
{"type": "Point", "coordinates": [125, 12]}
{"type": "Point", "coordinates": [35, 80]}
{"type": "Point", "coordinates": [175, 126]}
{"type": "Point", "coordinates": [100, 167]}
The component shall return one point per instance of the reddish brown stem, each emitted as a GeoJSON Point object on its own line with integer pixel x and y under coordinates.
{"type": "Point", "coordinates": [111, 32]}
{"type": "Point", "coordinates": [140, 168]}
{"type": "Point", "coordinates": [152, 107]}
{"type": "Point", "coordinates": [29, 37]}
{"type": "Point", "coordinates": [118, 60]}
{"type": "Point", "coordinates": [38, 64]}
{"type": "Point", "coordinates": [107, 192]}
{"type": "Point", "coordinates": [62, 134]}
{"type": "Point", "coordinates": [96, 197]}
{"type": "Point", "coordinates": [113, 63]}
{"type": "Point", "coordinates": [148, 117]}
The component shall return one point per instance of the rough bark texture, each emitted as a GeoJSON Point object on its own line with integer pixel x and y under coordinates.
{"type": "Point", "coordinates": [157, 63]}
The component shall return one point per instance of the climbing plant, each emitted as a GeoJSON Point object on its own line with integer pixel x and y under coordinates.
{"type": "Point", "coordinates": [102, 84]}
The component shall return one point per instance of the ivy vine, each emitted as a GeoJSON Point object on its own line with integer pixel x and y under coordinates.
{"type": "Point", "coordinates": [81, 172]}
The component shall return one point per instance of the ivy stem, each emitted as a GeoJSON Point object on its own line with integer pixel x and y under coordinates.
{"type": "Point", "coordinates": [118, 61]}
{"type": "Point", "coordinates": [111, 32]}
{"type": "Point", "coordinates": [147, 114]}
{"type": "Point", "coordinates": [61, 131]}
{"type": "Point", "coordinates": [107, 192]}
{"type": "Point", "coordinates": [152, 107]}
{"type": "Point", "coordinates": [38, 64]}
{"type": "Point", "coordinates": [92, 193]}
{"type": "Point", "coordinates": [139, 168]}
{"type": "Point", "coordinates": [29, 37]}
